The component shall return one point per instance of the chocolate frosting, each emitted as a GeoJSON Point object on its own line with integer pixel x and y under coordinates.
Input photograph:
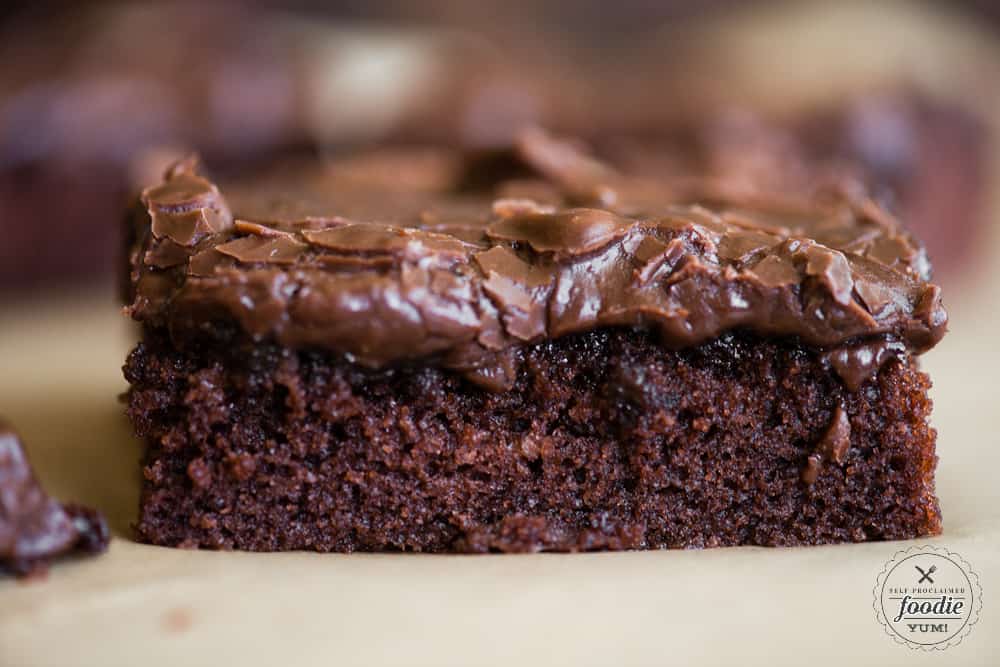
{"type": "Point", "coordinates": [385, 268]}
{"type": "Point", "coordinates": [33, 526]}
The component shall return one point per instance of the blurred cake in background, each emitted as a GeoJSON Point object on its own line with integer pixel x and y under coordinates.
{"type": "Point", "coordinates": [94, 100]}
{"type": "Point", "coordinates": [921, 159]}
{"type": "Point", "coordinates": [92, 96]}
{"type": "Point", "coordinates": [902, 92]}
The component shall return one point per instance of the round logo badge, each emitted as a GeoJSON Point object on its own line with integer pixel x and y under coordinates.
{"type": "Point", "coordinates": [928, 598]}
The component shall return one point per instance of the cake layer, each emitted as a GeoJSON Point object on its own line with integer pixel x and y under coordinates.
{"type": "Point", "coordinates": [604, 440]}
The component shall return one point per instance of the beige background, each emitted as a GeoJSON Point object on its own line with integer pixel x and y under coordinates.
{"type": "Point", "coordinates": [60, 361]}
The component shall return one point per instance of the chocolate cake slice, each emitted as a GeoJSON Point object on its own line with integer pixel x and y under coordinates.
{"type": "Point", "coordinates": [34, 528]}
{"type": "Point", "coordinates": [420, 351]}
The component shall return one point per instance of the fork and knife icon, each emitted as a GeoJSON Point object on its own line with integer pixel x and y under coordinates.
{"type": "Point", "coordinates": [926, 575]}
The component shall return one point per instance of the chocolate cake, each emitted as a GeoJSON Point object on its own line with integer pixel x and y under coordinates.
{"type": "Point", "coordinates": [531, 350]}
{"type": "Point", "coordinates": [34, 528]}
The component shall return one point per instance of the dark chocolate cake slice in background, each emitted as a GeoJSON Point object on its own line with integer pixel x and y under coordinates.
{"type": "Point", "coordinates": [537, 351]}
{"type": "Point", "coordinates": [34, 528]}
{"type": "Point", "coordinates": [83, 116]}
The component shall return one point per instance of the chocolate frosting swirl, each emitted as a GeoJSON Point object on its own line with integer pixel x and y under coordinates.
{"type": "Point", "coordinates": [385, 268]}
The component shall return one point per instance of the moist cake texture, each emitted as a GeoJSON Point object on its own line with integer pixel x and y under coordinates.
{"type": "Point", "coordinates": [533, 349]}
{"type": "Point", "coordinates": [607, 442]}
